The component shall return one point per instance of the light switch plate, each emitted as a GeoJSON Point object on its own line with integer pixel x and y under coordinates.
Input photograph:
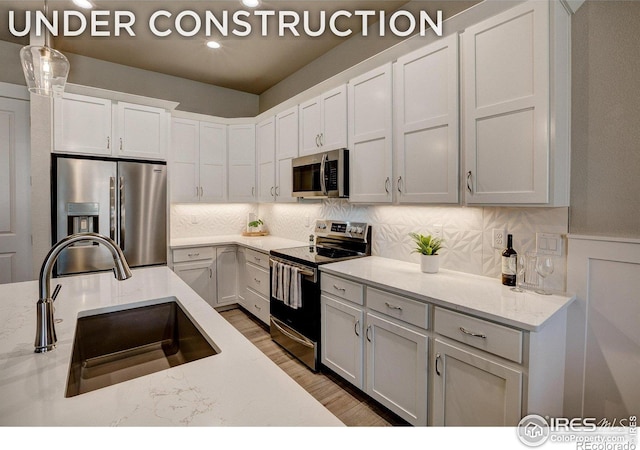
{"type": "Point", "coordinates": [549, 244]}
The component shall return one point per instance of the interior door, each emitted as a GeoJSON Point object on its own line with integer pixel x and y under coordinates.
{"type": "Point", "coordinates": [15, 223]}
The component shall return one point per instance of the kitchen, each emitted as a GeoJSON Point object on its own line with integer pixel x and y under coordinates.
{"type": "Point", "coordinates": [468, 230]}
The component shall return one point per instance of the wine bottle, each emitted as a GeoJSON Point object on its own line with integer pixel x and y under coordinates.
{"type": "Point", "coordinates": [509, 259]}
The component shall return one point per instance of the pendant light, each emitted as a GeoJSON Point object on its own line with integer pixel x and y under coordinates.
{"type": "Point", "coordinates": [45, 69]}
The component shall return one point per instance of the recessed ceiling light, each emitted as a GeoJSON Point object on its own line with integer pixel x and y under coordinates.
{"type": "Point", "coordinates": [213, 44]}
{"type": "Point", "coordinates": [251, 3]}
{"type": "Point", "coordinates": [86, 4]}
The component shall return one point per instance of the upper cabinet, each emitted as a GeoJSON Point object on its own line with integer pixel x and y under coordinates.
{"type": "Point", "coordinates": [98, 126]}
{"type": "Point", "coordinates": [370, 146]}
{"type": "Point", "coordinates": [266, 153]}
{"type": "Point", "coordinates": [198, 161]}
{"type": "Point", "coordinates": [323, 122]}
{"type": "Point", "coordinates": [242, 162]}
{"type": "Point", "coordinates": [425, 101]}
{"type": "Point", "coordinates": [516, 80]}
{"type": "Point", "coordinates": [286, 150]}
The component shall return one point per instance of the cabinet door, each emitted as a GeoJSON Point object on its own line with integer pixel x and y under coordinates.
{"type": "Point", "coordinates": [242, 276]}
{"type": "Point", "coordinates": [82, 124]}
{"type": "Point", "coordinates": [213, 162]}
{"type": "Point", "coordinates": [227, 275]}
{"type": "Point", "coordinates": [370, 136]}
{"type": "Point", "coordinates": [141, 131]}
{"type": "Point", "coordinates": [471, 389]}
{"type": "Point", "coordinates": [397, 368]}
{"type": "Point", "coordinates": [426, 124]}
{"type": "Point", "coordinates": [185, 145]}
{"type": "Point", "coordinates": [506, 85]}
{"type": "Point", "coordinates": [342, 339]}
{"type": "Point", "coordinates": [242, 162]}
{"type": "Point", "coordinates": [266, 152]}
{"type": "Point", "coordinates": [310, 126]}
{"type": "Point", "coordinates": [334, 119]}
{"type": "Point", "coordinates": [286, 149]}
{"type": "Point", "coordinates": [200, 276]}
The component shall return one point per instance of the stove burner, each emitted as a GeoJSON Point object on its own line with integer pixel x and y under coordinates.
{"type": "Point", "coordinates": [335, 252]}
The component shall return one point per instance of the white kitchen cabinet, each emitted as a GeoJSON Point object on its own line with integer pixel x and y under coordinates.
{"type": "Point", "coordinates": [242, 163]}
{"type": "Point", "coordinates": [342, 348]}
{"type": "Point", "coordinates": [226, 275]}
{"type": "Point", "coordinates": [516, 79]}
{"type": "Point", "coordinates": [370, 133]}
{"type": "Point", "coordinates": [472, 388]}
{"type": "Point", "coordinates": [82, 124]}
{"type": "Point", "coordinates": [286, 149]}
{"type": "Point", "coordinates": [196, 266]}
{"type": "Point", "coordinates": [323, 122]}
{"type": "Point", "coordinates": [141, 131]}
{"type": "Point", "coordinates": [241, 255]}
{"type": "Point", "coordinates": [397, 367]}
{"type": "Point", "coordinates": [98, 126]}
{"type": "Point", "coordinates": [426, 127]}
{"type": "Point", "coordinates": [198, 161]}
{"type": "Point", "coordinates": [256, 284]}
{"type": "Point", "coordinates": [265, 154]}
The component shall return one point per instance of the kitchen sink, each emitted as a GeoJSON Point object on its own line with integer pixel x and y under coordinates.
{"type": "Point", "coordinates": [121, 345]}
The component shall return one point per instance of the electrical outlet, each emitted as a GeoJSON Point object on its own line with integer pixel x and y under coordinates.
{"type": "Point", "coordinates": [549, 244]}
{"type": "Point", "coordinates": [194, 219]}
{"type": "Point", "coordinates": [499, 238]}
{"type": "Point", "coordinates": [436, 231]}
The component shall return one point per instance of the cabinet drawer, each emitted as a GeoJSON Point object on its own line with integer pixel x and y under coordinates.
{"type": "Point", "coordinates": [402, 308]}
{"type": "Point", "coordinates": [488, 336]}
{"type": "Point", "coordinates": [257, 305]}
{"type": "Point", "coordinates": [258, 279]}
{"type": "Point", "coordinates": [257, 258]}
{"type": "Point", "coordinates": [342, 288]}
{"type": "Point", "coordinates": [193, 254]}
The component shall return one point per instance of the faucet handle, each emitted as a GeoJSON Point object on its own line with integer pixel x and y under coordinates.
{"type": "Point", "coordinates": [56, 291]}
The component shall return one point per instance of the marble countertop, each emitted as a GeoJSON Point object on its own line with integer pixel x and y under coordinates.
{"type": "Point", "coordinates": [477, 295]}
{"type": "Point", "coordinates": [240, 386]}
{"type": "Point", "coordinates": [260, 243]}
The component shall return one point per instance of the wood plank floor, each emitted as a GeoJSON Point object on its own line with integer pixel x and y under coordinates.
{"type": "Point", "coordinates": [346, 402]}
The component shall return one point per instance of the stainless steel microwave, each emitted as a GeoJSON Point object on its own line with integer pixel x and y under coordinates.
{"type": "Point", "coordinates": [322, 175]}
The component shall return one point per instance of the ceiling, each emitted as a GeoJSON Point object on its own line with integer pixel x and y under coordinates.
{"type": "Point", "coordinates": [251, 64]}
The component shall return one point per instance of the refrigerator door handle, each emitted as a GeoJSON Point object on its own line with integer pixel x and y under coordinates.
{"type": "Point", "coordinates": [112, 208]}
{"type": "Point", "coordinates": [122, 213]}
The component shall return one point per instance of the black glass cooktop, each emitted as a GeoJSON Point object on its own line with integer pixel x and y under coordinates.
{"type": "Point", "coordinates": [315, 256]}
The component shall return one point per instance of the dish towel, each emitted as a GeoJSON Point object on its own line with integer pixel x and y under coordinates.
{"type": "Point", "coordinates": [295, 291]}
{"type": "Point", "coordinates": [276, 285]}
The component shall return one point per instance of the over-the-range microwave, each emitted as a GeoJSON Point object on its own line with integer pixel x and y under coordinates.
{"type": "Point", "coordinates": [322, 175]}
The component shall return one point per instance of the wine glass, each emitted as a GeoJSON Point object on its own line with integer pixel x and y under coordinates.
{"type": "Point", "coordinates": [520, 262]}
{"type": "Point", "coordinates": [544, 268]}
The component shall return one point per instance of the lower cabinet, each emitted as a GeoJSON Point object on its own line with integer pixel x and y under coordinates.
{"type": "Point", "coordinates": [471, 388]}
{"type": "Point", "coordinates": [255, 284]}
{"type": "Point", "coordinates": [227, 275]}
{"type": "Point", "coordinates": [384, 357]}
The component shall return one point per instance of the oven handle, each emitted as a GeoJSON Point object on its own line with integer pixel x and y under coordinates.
{"type": "Point", "coordinates": [303, 271]}
{"type": "Point", "coordinates": [304, 342]}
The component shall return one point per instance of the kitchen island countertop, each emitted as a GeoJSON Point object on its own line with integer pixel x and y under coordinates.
{"type": "Point", "coordinates": [240, 386]}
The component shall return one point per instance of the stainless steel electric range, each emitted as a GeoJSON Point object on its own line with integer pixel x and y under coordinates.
{"type": "Point", "coordinates": [295, 284]}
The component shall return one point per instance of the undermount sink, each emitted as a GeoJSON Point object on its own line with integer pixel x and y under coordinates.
{"type": "Point", "coordinates": [118, 346]}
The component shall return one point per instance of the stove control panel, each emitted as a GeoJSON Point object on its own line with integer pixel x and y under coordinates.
{"type": "Point", "coordinates": [345, 229]}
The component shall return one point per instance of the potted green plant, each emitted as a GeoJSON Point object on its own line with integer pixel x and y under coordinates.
{"type": "Point", "coordinates": [428, 247]}
{"type": "Point", "coordinates": [255, 225]}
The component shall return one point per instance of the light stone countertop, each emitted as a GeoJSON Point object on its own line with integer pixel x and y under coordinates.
{"type": "Point", "coordinates": [260, 243]}
{"type": "Point", "coordinates": [472, 294]}
{"type": "Point", "coordinates": [238, 387]}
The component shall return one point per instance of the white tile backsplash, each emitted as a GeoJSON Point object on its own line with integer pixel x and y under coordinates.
{"type": "Point", "coordinates": [467, 230]}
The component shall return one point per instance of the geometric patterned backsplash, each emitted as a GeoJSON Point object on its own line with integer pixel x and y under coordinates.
{"type": "Point", "coordinates": [467, 230]}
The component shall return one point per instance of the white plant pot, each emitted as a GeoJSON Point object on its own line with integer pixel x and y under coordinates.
{"type": "Point", "coordinates": [429, 263]}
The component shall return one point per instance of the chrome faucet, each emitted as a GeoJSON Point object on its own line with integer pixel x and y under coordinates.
{"type": "Point", "coordinates": [45, 331]}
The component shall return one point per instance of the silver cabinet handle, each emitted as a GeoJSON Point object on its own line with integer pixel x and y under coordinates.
{"type": "Point", "coordinates": [337, 288]}
{"type": "Point", "coordinates": [277, 191]}
{"type": "Point", "coordinates": [122, 213]}
{"type": "Point", "coordinates": [469, 182]}
{"type": "Point", "coordinates": [253, 191]}
{"type": "Point", "coordinates": [121, 145]}
{"type": "Point", "coordinates": [367, 333]}
{"type": "Point", "coordinates": [321, 139]}
{"type": "Point", "coordinates": [318, 144]}
{"type": "Point", "coordinates": [356, 328]}
{"type": "Point", "coordinates": [257, 307]}
{"type": "Point", "coordinates": [470, 333]}
{"type": "Point", "coordinates": [438, 360]}
{"type": "Point", "coordinates": [108, 142]}
{"type": "Point", "coordinates": [192, 255]}
{"type": "Point", "coordinates": [210, 272]}
{"type": "Point", "coordinates": [257, 259]}
{"type": "Point", "coordinates": [272, 192]}
{"type": "Point", "coordinates": [386, 185]}
{"type": "Point", "coordinates": [201, 192]}
{"type": "Point", "coordinates": [400, 184]}
{"type": "Point", "coordinates": [390, 306]}
{"type": "Point", "coordinates": [197, 192]}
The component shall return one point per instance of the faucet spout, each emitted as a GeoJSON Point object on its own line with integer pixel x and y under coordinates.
{"type": "Point", "coordinates": [45, 330]}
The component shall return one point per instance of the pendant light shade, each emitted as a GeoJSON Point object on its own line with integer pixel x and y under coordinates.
{"type": "Point", "coordinates": [45, 70]}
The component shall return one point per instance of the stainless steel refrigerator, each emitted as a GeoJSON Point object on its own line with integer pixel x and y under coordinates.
{"type": "Point", "coordinates": [125, 200]}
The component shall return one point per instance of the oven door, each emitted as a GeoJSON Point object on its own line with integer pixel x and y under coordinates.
{"type": "Point", "coordinates": [298, 330]}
